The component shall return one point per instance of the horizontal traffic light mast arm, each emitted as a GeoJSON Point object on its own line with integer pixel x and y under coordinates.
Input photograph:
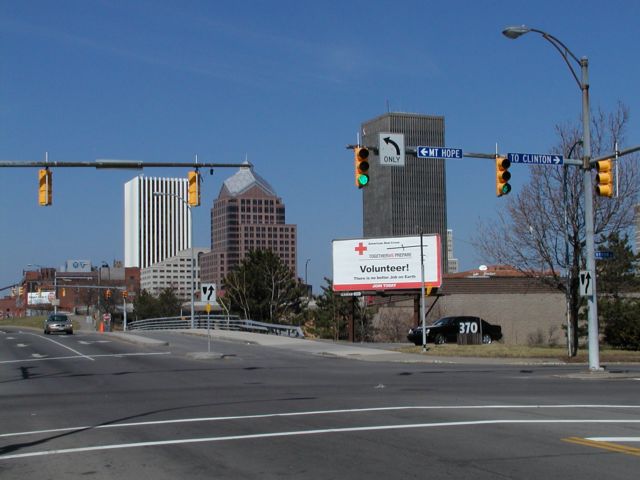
{"type": "Point", "coordinates": [620, 153]}
{"type": "Point", "coordinates": [120, 164]}
{"type": "Point", "coordinates": [489, 156]}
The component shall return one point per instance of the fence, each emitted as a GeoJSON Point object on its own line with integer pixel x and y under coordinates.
{"type": "Point", "coordinates": [220, 322]}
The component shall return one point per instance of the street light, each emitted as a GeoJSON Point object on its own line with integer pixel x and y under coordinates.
{"type": "Point", "coordinates": [583, 83]}
{"type": "Point", "coordinates": [174, 195]}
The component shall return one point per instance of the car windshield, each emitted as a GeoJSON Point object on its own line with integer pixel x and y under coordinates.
{"type": "Point", "coordinates": [58, 318]}
{"type": "Point", "coordinates": [442, 321]}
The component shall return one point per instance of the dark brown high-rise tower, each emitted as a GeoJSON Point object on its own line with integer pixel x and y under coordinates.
{"type": "Point", "coordinates": [405, 200]}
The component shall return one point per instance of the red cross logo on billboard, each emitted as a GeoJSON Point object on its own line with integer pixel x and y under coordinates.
{"type": "Point", "coordinates": [360, 248]}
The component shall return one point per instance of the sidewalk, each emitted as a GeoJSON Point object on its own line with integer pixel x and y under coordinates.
{"type": "Point", "coordinates": [337, 349]}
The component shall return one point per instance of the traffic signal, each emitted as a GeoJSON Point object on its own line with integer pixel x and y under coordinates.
{"type": "Point", "coordinates": [125, 294]}
{"type": "Point", "coordinates": [107, 294]}
{"type": "Point", "coordinates": [604, 178]}
{"type": "Point", "coordinates": [194, 188]}
{"type": "Point", "coordinates": [361, 164]}
{"type": "Point", "coordinates": [45, 186]}
{"type": "Point", "coordinates": [20, 291]}
{"type": "Point", "coordinates": [502, 176]}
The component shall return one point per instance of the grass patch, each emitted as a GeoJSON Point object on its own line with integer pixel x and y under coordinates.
{"type": "Point", "coordinates": [499, 350]}
{"type": "Point", "coordinates": [31, 322]}
{"type": "Point", "coordinates": [36, 322]}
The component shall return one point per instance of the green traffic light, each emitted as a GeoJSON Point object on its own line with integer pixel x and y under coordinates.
{"type": "Point", "coordinates": [363, 180]}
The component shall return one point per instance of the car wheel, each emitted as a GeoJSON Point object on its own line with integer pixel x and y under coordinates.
{"type": "Point", "coordinates": [440, 339]}
{"type": "Point", "coordinates": [486, 339]}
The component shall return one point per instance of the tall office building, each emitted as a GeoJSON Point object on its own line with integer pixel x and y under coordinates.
{"type": "Point", "coordinates": [403, 200]}
{"type": "Point", "coordinates": [247, 215]}
{"type": "Point", "coordinates": [155, 226]}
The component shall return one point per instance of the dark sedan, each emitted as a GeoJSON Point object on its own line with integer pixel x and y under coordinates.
{"type": "Point", "coordinates": [447, 329]}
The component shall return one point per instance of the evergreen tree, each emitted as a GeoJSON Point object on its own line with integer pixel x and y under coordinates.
{"type": "Point", "coordinates": [264, 288]}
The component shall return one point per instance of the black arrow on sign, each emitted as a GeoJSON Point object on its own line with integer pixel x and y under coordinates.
{"type": "Point", "coordinates": [585, 280]}
{"type": "Point", "coordinates": [388, 141]}
{"type": "Point", "coordinates": [208, 291]}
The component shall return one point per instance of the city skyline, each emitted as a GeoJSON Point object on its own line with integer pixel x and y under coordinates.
{"type": "Point", "coordinates": [158, 81]}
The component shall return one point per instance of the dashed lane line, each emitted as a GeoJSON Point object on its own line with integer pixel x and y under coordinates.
{"type": "Point", "coordinates": [62, 345]}
{"type": "Point", "coordinates": [93, 357]}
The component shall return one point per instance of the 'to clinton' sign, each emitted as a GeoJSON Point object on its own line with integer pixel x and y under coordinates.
{"type": "Point", "coordinates": [379, 264]}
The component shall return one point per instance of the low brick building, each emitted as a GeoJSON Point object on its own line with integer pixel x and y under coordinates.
{"type": "Point", "coordinates": [528, 310]}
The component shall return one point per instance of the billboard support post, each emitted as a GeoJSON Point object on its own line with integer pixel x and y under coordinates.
{"type": "Point", "coordinates": [422, 315]}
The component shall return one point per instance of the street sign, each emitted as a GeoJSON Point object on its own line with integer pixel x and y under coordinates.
{"type": "Point", "coordinates": [604, 255]}
{"type": "Point", "coordinates": [586, 283]}
{"type": "Point", "coordinates": [536, 158]}
{"type": "Point", "coordinates": [391, 149]}
{"type": "Point", "coordinates": [207, 308]}
{"type": "Point", "coordinates": [439, 152]}
{"type": "Point", "coordinates": [208, 292]}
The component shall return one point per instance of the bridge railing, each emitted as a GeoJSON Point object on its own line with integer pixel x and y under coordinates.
{"type": "Point", "coordinates": [219, 322]}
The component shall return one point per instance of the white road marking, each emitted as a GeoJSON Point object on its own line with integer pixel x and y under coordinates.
{"type": "Point", "coordinates": [614, 439]}
{"type": "Point", "coordinates": [22, 345]}
{"type": "Point", "coordinates": [311, 413]}
{"type": "Point", "coordinates": [299, 433]}
{"type": "Point", "coordinates": [63, 345]}
{"type": "Point", "coordinates": [86, 342]}
{"type": "Point", "coordinates": [37, 355]}
{"type": "Point", "coordinates": [93, 357]}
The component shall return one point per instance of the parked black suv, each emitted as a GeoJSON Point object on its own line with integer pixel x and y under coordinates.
{"type": "Point", "coordinates": [447, 329]}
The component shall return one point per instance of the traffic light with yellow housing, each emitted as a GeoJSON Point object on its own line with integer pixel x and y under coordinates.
{"type": "Point", "coordinates": [361, 166]}
{"type": "Point", "coordinates": [502, 176]}
{"type": "Point", "coordinates": [604, 178]}
{"type": "Point", "coordinates": [194, 188]}
{"type": "Point", "coordinates": [107, 294]}
{"type": "Point", "coordinates": [45, 187]}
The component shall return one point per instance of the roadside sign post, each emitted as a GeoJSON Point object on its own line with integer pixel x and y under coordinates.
{"type": "Point", "coordinates": [208, 309]}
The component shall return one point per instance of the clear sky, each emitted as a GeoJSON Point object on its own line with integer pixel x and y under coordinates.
{"type": "Point", "coordinates": [285, 84]}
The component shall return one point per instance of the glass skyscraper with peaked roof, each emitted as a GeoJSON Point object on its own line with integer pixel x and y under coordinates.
{"type": "Point", "coordinates": [247, 215]}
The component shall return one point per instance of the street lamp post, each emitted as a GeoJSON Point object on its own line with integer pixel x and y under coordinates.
{"type": "Point", "coordinates": [160, 194]}
{"type": "Point", "coordinates": [583, 84]}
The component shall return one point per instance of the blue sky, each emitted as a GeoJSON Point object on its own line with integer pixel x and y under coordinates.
{"type": "Point", "coordinates": [285, 84]}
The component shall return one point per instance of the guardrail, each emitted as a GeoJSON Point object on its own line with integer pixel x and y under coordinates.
{"type": "Point", "coordinates": [219, 322]}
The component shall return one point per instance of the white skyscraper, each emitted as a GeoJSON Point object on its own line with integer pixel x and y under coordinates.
{"type": "Point", "coordinates": [155, 226]}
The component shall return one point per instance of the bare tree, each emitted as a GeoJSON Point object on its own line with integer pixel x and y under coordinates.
{"type": "Point", "coordinates": [531, 229]}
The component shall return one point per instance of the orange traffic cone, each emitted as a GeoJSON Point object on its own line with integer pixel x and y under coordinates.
{"type": "Point", "coordinates": [101, 327]}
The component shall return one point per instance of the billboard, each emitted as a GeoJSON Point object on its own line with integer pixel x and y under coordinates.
{"type": "Point", "coordinates": [40, 298]}
{"type": "Point", "coordinates": [380, 264]}
{"type": "Point", "coordinates": [78, 266]}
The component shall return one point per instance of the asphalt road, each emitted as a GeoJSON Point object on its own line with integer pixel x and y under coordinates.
{"type": "Point", "coordinates": [94, 406]}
